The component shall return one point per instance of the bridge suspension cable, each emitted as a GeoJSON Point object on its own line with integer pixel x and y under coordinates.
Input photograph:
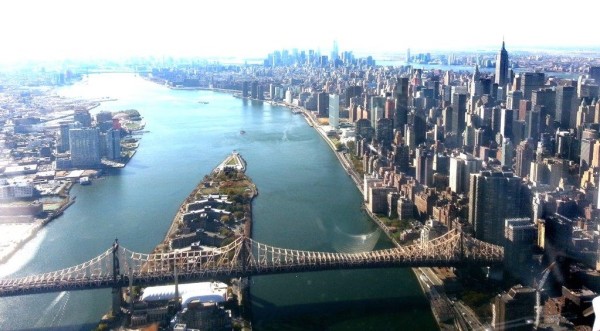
{"type": "Point", "coordinates": [245, 257]}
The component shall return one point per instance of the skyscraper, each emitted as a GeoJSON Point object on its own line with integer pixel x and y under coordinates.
{"type": "Point", "coordinates": [566, 104]}
{"type": "Point", "coordinates": [401, 102]}
{"type": "Point", "coordinates": [83, 117]}
{"type": "Point", "coordinates": [385, 131]}
{"type": "Point", "coordinates": [113, 144]}
{"type": "Point", "coordinates": [520, 236]}
{"type": "Point", "coordinates": [513, 310]}
{"type": "Point", "coordinates": [493, 197]}
{"type": "Point", "coordinates": [63, 145]}
{"type": "Point", "coordinates": [323, 104]}
{"type": "Point", "coordinates": [85, 147]}
{"type": "Point", "coordinates": [502, 67]}
{"type": "Point", "coordinates": [507, 153]}
{"type": "Point", "coordinates": [525, 154]}
{"type": "Point", "coordinates": [459, 110]}
{"type": "Point", "coordinates": [424, 166]}
{"type": "Point", "coordinates": [377, 108]}
{"type": "Point", "coordinates": [531, 81]}
{"type": "Point", "coordinates": [334, 110]}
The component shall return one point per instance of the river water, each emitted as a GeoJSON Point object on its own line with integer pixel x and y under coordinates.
{"type": "Point", "coordinates": [306, 201]}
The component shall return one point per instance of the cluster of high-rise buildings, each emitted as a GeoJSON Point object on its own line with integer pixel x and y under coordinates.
{"type": "Point", "coordinates": [511, 156]}
{"type": "Point", "coordinates": [87, 143]}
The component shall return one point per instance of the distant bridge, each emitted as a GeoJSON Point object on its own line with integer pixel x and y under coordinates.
{"type": "Point", "coordinates": [242, 258]}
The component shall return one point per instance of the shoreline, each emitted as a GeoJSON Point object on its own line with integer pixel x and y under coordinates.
{"type": "Point", "coordinates": [36, 227]}
{"type": "Point", "coordinates": [353, 175]}
{"type": "Point", "coordinates": [345, 163]}
{"type": "Point", "coordinates": [65, 193]}
{"type": "Point", "coordinates": [164, 245]}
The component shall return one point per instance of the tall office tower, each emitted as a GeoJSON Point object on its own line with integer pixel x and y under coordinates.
{"type": "Point", "coordinates": [507, 153]}
{"type": "Point", "coordinates": [424, 166]}
{"type": "Point", "coordinates": [513, 98]}
{"type": "Point", "coordinates": [565, 145]}
{"type": "Point", "coordinates": [447, 77]}
{"type": "Point", "coordinates": [334, 110]}
{"type": "Point", "coordinates": [85, 147]}
{"type": "Point", "coordinates": [401, 101]}
{"type": "Point", "coordinates": [254, 90]}
{"type": "Point", "coordinates": [83, 117]}
{"type": "Point", "coordinates": [441, 163]}
{"type": "Point", "coordinates": [335, 53]}
{"type": "Point", "coordinates": [447, 119]}
{"type": "Point", "coordinates": [476, 88]}
{"type": "Point", "coordinates": [566, 104]}
{"type": "Point", "coordinates": [104, 120]}
{"type": "Point", "coordinates": [520, 236]}
{"type": "Point", "coordinates": [420, 127]}
{"type": "Point", "coordinates": [408, 58]}
{"type": "Point", "coordinates": [260, 93]}
{"type": "Point", "coordinates": [353, 110]}
{"type": "Point", "coordinates": [586, 151]}
{"type": "Point", "coordinates": [390, 108]}
{"type": "Point", "coordinates": [377, 107]}
{"type": "Point", "coordinates": [496, 119]}
{"type": "Point", "coordinates": [385, 132]}
{"type": "Point", "coordinates": [544, 97]}
{"type": "Point", "coordinates": [364, 129]}
{"type": "Point", "coordinates": [63, 144]}
{"type": "Point", "coordinates": [596, 154]}
{"type": "Point", "coordinates": [104, 116]}
{"type": "Point", "coordinates": [323, 104]}
{"type": "Point", "coordinates": [272, 91]}
{"type": "Point", "coordinates": [524, 108]}
{"type": "Point", "coordinates": [516, 83]}
{"type": "Point", "coordinates": [493, 197]}
{"type": "Point", "coordinates": [351, 92]}
{"type": "Point", "coordinates": [506, 122]}
{"type": "Point", "coordinates": [401, 155]}
{"type": "Point", "coordinates": [518, 133]}
{"type": "Point", "coordinates": [409, 136]}
{"type": "Point", "coordinates": [113, 144]}
{"type": "Point", "coordinates": [469, 135]}
{"type": "Point", "coordinates": [502, 77]}
{"type": "Point", "coordinates": [514, 310]}
{"type": "Point", "coordinates": [595, 74]}
{"type": "Point", "coordinates": [245, 89]}
{"type": "Point", "coordinates": [531, 81]}
{"type": "Point", "coordinates": [525, 155]}
{"type": "Point", "coordinates": [534, 124]}
{"type": "Point", "coordinates": [461, 167]}
{"type": "Point", "coordinates": [459, 110]}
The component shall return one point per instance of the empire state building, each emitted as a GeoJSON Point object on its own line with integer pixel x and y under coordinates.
{"type": "Point", "coordinates": [502, 67]}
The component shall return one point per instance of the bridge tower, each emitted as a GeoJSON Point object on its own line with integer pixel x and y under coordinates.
{"type": "Point", "coordinates": [116, 290]}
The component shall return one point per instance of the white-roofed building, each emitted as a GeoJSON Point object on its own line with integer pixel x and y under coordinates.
{"type": "Point", "coordinates": [203, 292]}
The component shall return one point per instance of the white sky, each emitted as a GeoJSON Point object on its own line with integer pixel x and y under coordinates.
{"type": "Point", "coordinates": [252, 28]}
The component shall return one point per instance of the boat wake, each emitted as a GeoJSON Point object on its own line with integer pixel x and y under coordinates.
{"type": "Point", "coordinates": [354, 243]}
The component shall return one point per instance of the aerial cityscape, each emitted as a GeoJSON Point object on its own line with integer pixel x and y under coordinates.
{"type": "Point", "coordinates": [156, 178]}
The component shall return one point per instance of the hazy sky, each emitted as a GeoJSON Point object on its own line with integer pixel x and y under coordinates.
{"type": "Point", "coordinates": [91, 28]}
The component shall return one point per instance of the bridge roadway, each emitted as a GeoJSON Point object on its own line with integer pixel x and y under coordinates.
{"type": "Point", "coordinates": [244, 257]}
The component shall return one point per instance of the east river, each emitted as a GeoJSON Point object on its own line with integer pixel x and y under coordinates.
{"type": "Point", "coordinates": [306, 201]}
